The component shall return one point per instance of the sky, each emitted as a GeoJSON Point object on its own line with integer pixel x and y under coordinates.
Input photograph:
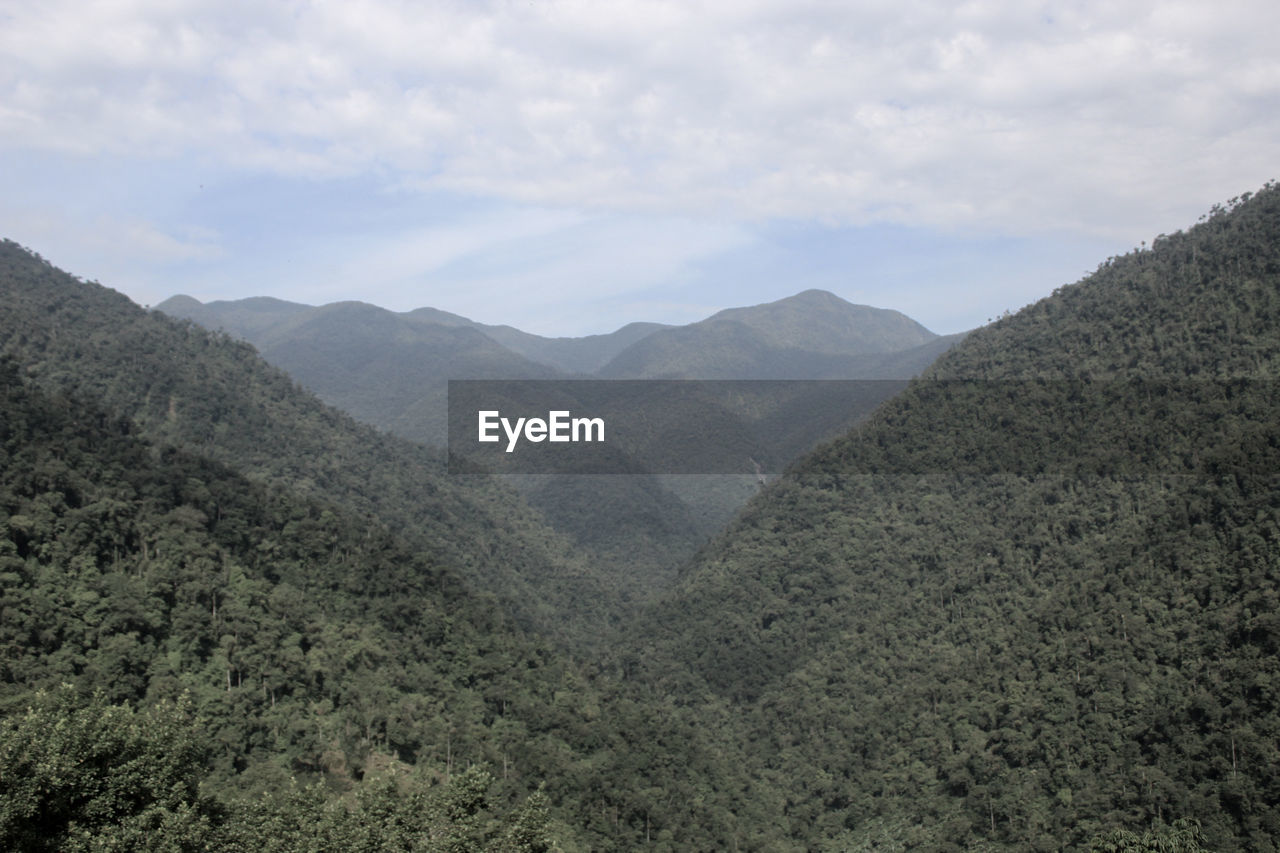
{"type": "Point", "coordinates": [568, 167]}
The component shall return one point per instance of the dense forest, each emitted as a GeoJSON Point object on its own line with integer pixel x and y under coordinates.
{"type": "Point", "coordinates": [1036, 595]}
{"type": "Point", "coordinates": [1031, 604]}
{"type": "Point", "coordinates": [391, 370]}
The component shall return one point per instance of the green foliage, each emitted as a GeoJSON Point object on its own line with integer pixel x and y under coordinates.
{"type": "Point", "coordinates": [92, 776]}
{"type": "Point", "coordinates": [210, 395]}
{"type": "Point", "coordinates": [1182, 837]}
{"type": "Point", "coordinates": [395, 812]}
{"type": "Point", "coordinates": [1034, 596]}
{"type": "Point", "coordinates": [95, 776]}
{"type": "Point", "coordinates": [1032, 600]}
{"type": "Point", "coordinates": [309, 640]}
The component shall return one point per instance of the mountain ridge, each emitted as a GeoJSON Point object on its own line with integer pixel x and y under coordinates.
{"type": "Point", "coordinates": [1032, 595]}
{"type": "Point", "coordinates": [811, 321]}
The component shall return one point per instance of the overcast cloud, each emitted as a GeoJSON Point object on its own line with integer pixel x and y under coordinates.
{"type": "Point", "coordinates": [666, 136]}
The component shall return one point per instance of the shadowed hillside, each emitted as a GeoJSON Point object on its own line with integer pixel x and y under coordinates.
{"type": "Point", "coordinates": [391, 370]}
{"type": "Point", "coordinates": [210, 394]}
{"type": "Point", "coordinates": [1036, 594]}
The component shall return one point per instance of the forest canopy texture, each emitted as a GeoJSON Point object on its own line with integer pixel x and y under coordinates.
{"type": "Point", "coordinates": [1031, 603]}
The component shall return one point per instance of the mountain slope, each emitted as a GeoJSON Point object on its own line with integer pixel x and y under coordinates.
{"type": "Point", "coordinates": [141, 570]}
{"type": "Point", "coordinates": [212, 395]}
{"type": "Point", "coordinates": [586, 354]}
{"type": "Point", "coordinates": [1035, 595]}
{"type": "Point", "coordinates": [390, 370]}
{"type": "Point", "coordinates": [812, 335]}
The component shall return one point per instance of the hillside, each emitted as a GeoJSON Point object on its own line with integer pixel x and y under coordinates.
{"type": "Point", "coordinates": [1036, 594]}
{"type": "Point", "coordinates": [304, 641]}
{"type": "Point", "coordinates": [176, 517]}
{"type": "Point", "coordinates": [390, 370]}
{"type": "Point", "coordinates": [211, 395]}
{"type": "Point", "coordinates": [812, 335]}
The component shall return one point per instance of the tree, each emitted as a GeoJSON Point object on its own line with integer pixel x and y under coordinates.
{"type": "Point", "coordinates": [96, 776]}
{"type": "Point", "coordinates": [1182, 837]}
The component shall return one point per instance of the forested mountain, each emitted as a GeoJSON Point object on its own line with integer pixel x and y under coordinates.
{"type": "Point", "coordinates": [812, 335]}
{"type": "Point", "coordinates": [1033, 603]}
{"type": "Point", "coordinates": [178, 518]}
{"type": "Point", "coordinates": [310, 640]}
{"type": "Point", "coordinates": [391, 370]}
{"type": "Point", "coordinates": [214, 396]}
{"type": "Point", "coordinates": [1036, 594]}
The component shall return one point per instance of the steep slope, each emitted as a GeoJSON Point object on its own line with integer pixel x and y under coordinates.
{"type": "Point", "coordinates": [812, 335]}
{"type": "Point", "coordinates": [390, 370]}
{"type": "Point", "coordinates": [142, 571]}
{"type": "Point", "coordinates": [205, 392]}
{"type": "Point", "coordinates": [1037, 594]}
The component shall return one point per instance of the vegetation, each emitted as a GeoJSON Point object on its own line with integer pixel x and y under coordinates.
{"type": "Point", "coordinates": [1035, 595]}
{"type": "Point", "coordinates": [1032, 604]}
{"type": "Point", "coordinates": [99, 777]}
{"type": "Point", "coordinates": [390, 370]}
{"type": "Point", "coordinates": [213, 396]}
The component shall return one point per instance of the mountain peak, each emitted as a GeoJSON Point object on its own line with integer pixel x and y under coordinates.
{"type": "Point", "coordinates": [821, 321]}
{"type": "Point", "coordinates": [815, 295]}
{"type": "Point", "coordinates": [178, 305]}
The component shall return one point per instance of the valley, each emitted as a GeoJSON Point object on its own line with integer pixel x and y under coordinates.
{"type": "Point", "coordinates": [1030, 600]}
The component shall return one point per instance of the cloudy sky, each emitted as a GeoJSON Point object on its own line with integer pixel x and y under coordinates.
{"type": "Point", "coordinates": [570, 166]}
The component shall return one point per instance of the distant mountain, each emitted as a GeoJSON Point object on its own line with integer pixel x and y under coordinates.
{"type": "Point", "coordinates": [243, 318]}
{"type": "Point", "coordinates": [266, 322]}
{"type": "Point", "coordinates": [573, 355]}
{"type": "Point", "coordinates": [387, 369]}
{"type": "Point", "coordinates": [391, 370]}
{"type": "Point", "coordinates": [204, 392]}
{"type": "Point", "coordinates": [1034, 596]}
{"type": "Point", "coordinates": [823, 322]}
{"type": "Point", "coordinates": [812, 335]}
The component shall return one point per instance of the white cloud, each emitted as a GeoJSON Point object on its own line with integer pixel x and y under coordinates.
{"type": "Point", "coordinates": [1104, 117]}
{"type": "Point", "coordinates": [546, 271]}
{"type": "Point", "coordinates": [102, 240]}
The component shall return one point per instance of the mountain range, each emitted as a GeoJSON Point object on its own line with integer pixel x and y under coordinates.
{"type": "Point", "coordinates": [391, 370]}
{"type": "Point", "coordinates": [1032, 602]}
